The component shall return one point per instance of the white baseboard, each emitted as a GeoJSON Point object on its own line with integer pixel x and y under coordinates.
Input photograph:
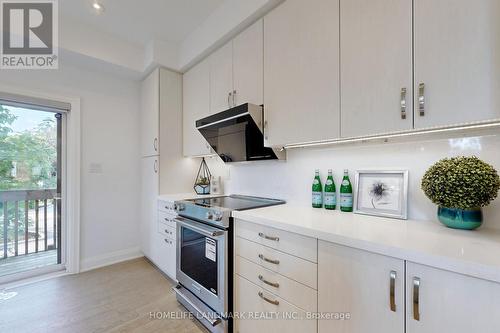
{"type": "Point", "coordinates": [110, 258]}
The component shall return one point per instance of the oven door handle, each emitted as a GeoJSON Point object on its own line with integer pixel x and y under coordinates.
{"type": "Point", "coordinates": [199, 227]}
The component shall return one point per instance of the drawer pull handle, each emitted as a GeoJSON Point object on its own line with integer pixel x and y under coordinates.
{"type": "Point", "coordinates": [416, 298]}
{"type": "Point", "coordinates": [268, 300]}
{"type": "Point", "coordinates": [272, 284]}
{"type": "Point", "coordinates": [392, 292]}
{"type": "Point", "coordinates": [262, 235]}
{"type": "Point", "coordinates": [272, 261]}
{"type": "Point", "coordinates": [168, 241]}
{"type": "Point", "coordinates": [169, 232]}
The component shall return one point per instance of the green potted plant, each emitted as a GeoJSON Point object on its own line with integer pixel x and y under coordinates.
{"type": "Point", "coordinates": [461, 186]}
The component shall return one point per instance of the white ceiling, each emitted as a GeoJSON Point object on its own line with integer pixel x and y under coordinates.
{"type": "Point", "coordinates": [141, 21]}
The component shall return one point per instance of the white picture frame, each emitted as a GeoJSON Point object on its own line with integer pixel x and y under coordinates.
{"type": "Point", "coordinates": [381, 193]}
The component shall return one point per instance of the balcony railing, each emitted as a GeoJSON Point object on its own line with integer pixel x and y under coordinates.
{"type": "Point", "coordinates": [29, 222]}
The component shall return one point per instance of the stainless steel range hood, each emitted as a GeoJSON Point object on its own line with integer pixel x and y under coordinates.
{"type": "Point", "coordinates": [237, 134]}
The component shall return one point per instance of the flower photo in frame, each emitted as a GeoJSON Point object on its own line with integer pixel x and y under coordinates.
{"type": "Point", "coordinates": [382, 193]}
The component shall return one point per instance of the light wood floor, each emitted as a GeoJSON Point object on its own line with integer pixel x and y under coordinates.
{"type": "Point", "coordinates": [117, 298]}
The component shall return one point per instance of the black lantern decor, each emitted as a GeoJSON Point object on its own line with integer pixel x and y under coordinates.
{"type": "Point", "coordinates": [202, 183]}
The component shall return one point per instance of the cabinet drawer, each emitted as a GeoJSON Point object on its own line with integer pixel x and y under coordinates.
{"type": "Point", "coordinates": [249, 299]}
{"type": "Point", "coordinates": [167, 207]}
{"type": "Point", "coordinates": [167, 218]}
{"type": "Point", "coordinates": [290, 290]}
{"type": "Point", "coordinates": [297, 269]}
{"type": "Point", "coordinates": [167, 230]}
{"type": "Point", "coordinates": [297, 245]}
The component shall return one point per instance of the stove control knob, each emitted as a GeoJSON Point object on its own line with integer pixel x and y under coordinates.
{"type": "Point", "coordinates": [209, 216]}
{"type": "Point", "coordinates": [218, 216]}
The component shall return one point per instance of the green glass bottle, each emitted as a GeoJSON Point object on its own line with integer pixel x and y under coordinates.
{"type": "Point", "coordinates": [317, 191]}
{"type": "Point", "coordinates": [346, 193]}
{"type": "Point", "coordinates": [330, 195]}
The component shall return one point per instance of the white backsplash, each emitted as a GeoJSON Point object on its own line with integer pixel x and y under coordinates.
{"type": "Point", "coordinates": [291, 179]}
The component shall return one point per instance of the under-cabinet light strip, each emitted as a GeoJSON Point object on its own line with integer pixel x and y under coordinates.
{"type": "Point", "coordinates": [489, 125]}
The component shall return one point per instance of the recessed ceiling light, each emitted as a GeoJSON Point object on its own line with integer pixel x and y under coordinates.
{"type": "Point", "coordinates": [98, 7]}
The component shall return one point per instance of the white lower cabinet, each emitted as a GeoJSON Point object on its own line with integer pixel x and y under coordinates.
{"type": "Point", "coordinates": [149, 195]}
{"type": "Point", "coordinates": [442, 301]}
{"type": "Point", "coordinates": [163, 239]}
{"type": "Point", "coordinates": [356, 291]}
{"type": "Point", "coordinates": [264, 312]}
{"type": "Point", "coordinates": [275, 290]}
{"type": "Point", "coordinates": [366, 287]}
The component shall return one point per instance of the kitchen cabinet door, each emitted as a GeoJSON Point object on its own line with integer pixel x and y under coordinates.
{"type": "Point", "coordinates": [301, 72]}
{"type": "Point", "coordinates": [150, 113]}
{"type": "Point", "coordinates": [149, 202]}
{"type": "Point", "coordinates": [376, 66]}
{"type": "Point", "coordinates": [164, 254]}
{"type": "Point", "coordinates": [221, 78]}
{"type": "Point", "coordinates": [360, 284]}
{"type": "Point", "coordinates": [457, 60]}
{"type": "Point", "coordinates": [196, 105]}
{"type": "Point", "coordinates": [248, 63]}
{"type": "Point", "coordinates": [450, 302]}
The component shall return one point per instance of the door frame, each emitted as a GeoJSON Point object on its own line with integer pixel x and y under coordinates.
{"type": "Point", "coordinates": [71, 172]}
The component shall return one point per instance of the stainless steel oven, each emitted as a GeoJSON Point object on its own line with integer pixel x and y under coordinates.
{"type": "Point", "coordinates": [205, 256]}
{"type": "Point", "coordinates": [202, 269]}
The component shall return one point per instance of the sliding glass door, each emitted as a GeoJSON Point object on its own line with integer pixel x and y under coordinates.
{"type": "Point", "coordinates": [31, 179]}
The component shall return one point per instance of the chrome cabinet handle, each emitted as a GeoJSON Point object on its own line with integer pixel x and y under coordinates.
{"type": "Point", "coordinates": [262, 235]}
{"type": "Point", "coordinates": [155, 144]}
{"type": "Point", "coordinates": [155, 166]}
{"type": "Point", "coordinates": [265, 130]}
{"type": "Point", "coordinates": [272, 261]}
{"type": "Point", "coordinates": [234, 97]}
{"type": "Point", "coordinates": [228, 99]}
{"type": "Point", "coordinates": [392, 291]}
{"type": "Point", "coordinates": [403, 103]}
{"type": "Point", "coordinates": [416, 298]}
{"type": "Point", "coordinates": [268, 300]}
{"type": "Point", "coordinates": [421, 99]}
{"type": "Point", "coordinates": [272, 284]}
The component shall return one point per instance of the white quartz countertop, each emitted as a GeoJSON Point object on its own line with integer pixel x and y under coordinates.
{"type": "Point", "coordinates": [184, 196]}
{"type": "Point", "coordinates": [475, 253]}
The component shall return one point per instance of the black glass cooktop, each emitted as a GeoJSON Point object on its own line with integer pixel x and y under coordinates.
{"type": "Point", "coordinates": [236, 202]}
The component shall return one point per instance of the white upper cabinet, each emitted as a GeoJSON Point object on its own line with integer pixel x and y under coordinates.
{"type": "Point", "coordinates": [369, 287]}
{"type": "Point", "coordinates": [150, 115]}
{"type": "Point", "coordinates": [376, 66]}
{"type": "Point", "coordinates": [441, 301]}
{"type": "Point", "coordinates": [301, 72]}
{"type": "Point", "coordinates": [196, 105]}
{"type": "Point", "coordinates": [248, 66]}
{"type": "Point", "coordinates": [457, 61]}
{"type": "Point", "coordinates": [221, 79]}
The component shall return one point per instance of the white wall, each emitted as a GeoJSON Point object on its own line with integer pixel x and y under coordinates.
{"type": "Point", "coordinates": [291, 180]}
{"type": "Point", "coordinates": [110, 137]}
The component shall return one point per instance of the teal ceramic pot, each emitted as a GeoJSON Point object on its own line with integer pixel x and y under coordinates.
{"type": "Point", "coordinates": [467, 219]}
